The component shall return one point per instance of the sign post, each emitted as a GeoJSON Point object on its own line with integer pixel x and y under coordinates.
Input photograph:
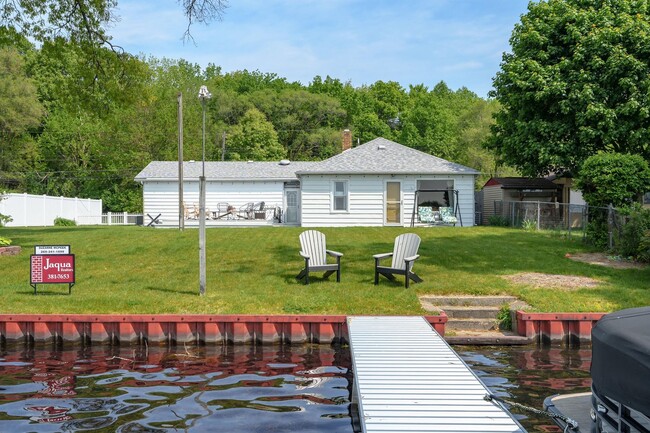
{"type": "Point", "coordinates": [52, 264]}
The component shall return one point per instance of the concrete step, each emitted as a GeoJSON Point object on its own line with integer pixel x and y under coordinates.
{"type": "Point", "coordinates": [454, 312]}
{"type": "Point", "coordinates": [466, 301]}
{"type": "Point", "coordinates": [471, 325]}
{"type": "Point", "coordinates": [487, 338]}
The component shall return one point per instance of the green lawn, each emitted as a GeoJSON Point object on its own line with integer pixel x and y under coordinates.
{"type": "Point", "coordinates": [252, 270]}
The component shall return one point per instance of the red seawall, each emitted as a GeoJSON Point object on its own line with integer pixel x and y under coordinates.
{"type": "Point", "coordinates": [545, 328]}
{"type": "Point", "coordinates": [567, 328]}
{"type": "Point", "coordinates": [178, 329]}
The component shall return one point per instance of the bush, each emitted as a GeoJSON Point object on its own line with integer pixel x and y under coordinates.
{"type": "Point", "coordinates": [504, 318]}
{"type": "Point", "coordinates": [529, 225]}
{"type": "Point", "coordinates": [597, 233]}
{"type": "Point", "coordinates": [613, 178]}
{"type": "Point", "coordinates": [64, 222]}
{"type": "Point", "coordinates": [4, 242]}
{"type": "Point", "coordinates": [498, 221]}
{"type": "Point", "coordinates": [638, 223]}
{"type": "Point", "coordinates": [644, 247]}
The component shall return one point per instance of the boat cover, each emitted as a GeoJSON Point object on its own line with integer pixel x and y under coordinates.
{"type": "Point", "coordinates": [620, 362]}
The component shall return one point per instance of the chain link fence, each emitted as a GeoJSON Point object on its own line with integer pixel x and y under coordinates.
{"type": "Point", "coordinates": [574, 219]}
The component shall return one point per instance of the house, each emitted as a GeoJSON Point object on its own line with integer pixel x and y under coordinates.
{"type": "Point", "coordinates": [509, 189]}
{"type": "Point", "coordinates": [379, 183]}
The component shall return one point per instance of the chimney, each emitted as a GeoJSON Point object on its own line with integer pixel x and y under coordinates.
{"type": "Point", "coordinates": [347, 140]}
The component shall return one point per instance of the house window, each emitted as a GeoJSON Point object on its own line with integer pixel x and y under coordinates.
{"type": "Point", "coordinates": [340, 196]}
{"type": "Point", "coordinates": [436, 193]}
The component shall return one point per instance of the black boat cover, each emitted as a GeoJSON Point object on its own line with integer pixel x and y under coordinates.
{"type": "Point", "coordinates": [620, 361]}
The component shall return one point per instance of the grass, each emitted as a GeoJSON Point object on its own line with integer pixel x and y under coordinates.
{"type": "Point", "coordinates": [252, 271]}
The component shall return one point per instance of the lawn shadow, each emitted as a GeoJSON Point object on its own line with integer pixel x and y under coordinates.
{"type": "Point", "coordinates": [160, 289]}
{"type": "Point", "coordinates": [44, 293]}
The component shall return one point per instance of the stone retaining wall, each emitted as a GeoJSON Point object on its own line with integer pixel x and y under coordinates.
{"type": "Point", "coordinates": [10, 251]}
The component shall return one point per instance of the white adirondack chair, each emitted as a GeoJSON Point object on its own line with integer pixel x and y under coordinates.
{"type": "Point", "coordinates": [405, 253]}
{"type": "Point", "coordinates": [315, 252]}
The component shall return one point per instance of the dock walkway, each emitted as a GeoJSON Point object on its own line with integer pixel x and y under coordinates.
{"type": "Point", "coordinates": [408, 379]}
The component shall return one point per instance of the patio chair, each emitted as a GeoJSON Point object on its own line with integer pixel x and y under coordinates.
{"type": "Point", "coordinates": [259, 211]}
{"type": "Point", "coordinates": [314, 251]}
{"type": "Point", "coordinates": [405, 253]}
{"type": "Point", "coordinates": [224, 210]}
{"type": "Point", "coordinates": [246, 210]}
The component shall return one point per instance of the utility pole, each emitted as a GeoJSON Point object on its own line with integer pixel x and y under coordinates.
{"type": "Point", "coordinates": [204, 95]}
{"type": "Point", "coordinates": [223, 146]}
{"type": "Point", "coordinates": [181, 205]}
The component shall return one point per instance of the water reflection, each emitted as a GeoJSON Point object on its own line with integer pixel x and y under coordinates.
{"type": "Point", "coordinates": [529, 374]}
{"type": "Point", "coordinates": [241, 388]}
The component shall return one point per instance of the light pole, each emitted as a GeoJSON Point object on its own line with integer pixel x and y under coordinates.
{"type": "Point", "coordinates": [204, 95]}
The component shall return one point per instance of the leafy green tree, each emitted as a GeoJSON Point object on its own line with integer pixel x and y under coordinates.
{"type": "Point", "coordinates": [576, 82]}
{"type": "Point", "coordinates": [613, 178]}
{"type": "Point", "coordinates": [617, 179]}
{"type": "Point", "coordinates": [87, 21]}
{"type": "Point", "coordinates": [308, 124]}
{"type": "Point", "coordinates": [254, 138]}
{"type": "Point", "coordinates": [20, 111]}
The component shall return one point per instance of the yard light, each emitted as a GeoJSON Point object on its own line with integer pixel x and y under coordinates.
{"type": "Point", "coordinates": [204, 95]}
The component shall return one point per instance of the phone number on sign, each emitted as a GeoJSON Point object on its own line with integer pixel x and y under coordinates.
{"type": "Point", "coordinates": [58, 277]}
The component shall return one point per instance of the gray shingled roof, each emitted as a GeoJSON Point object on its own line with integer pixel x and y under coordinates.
{"type": "Point", "coordinates": [223, 170]}
{"type": "Point", "coordinates": [380, 156]}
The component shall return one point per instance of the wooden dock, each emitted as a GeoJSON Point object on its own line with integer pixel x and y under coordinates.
{"type": "Point", "coordinates": [408, 379]}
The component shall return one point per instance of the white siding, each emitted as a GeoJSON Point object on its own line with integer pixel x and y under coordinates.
{"type": "Point", "coordinates": [162, 197]}
{"type": "Point", "coordinates": [366, 199]}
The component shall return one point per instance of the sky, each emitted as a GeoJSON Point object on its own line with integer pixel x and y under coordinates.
{"type": "Point", "coordinates": [460, 42]}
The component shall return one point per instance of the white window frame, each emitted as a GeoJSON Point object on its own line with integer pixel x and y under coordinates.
{"type": "Point", "coordinates": [400, 201]}
{"type": "Point", "coordinates": [345, 194]}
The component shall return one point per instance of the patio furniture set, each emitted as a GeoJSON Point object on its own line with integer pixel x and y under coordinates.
{"type": "Point", "coordinates": [404, 255]}
{"type": "Point", "coordinates": [226, 211]}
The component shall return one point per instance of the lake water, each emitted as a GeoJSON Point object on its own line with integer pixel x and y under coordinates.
{"type": "Point", "coordinates": [238, 388]}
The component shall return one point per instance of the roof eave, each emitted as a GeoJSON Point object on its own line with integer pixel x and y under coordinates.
{"type": "Point", "coordinates": [213, 179]}
{"type": "Point", "coordinates": [432, 173]}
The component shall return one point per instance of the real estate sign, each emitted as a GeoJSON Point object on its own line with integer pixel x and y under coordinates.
{"type": "Point", "coordinates": [52, 264]}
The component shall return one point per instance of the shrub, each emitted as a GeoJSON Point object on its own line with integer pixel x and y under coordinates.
{"type": "Point", "coordinates": [613, 178]}
{"type": "Point", "coordinates": [644, 247]}
{"type": "Point", "coordinates": [638, 223]}
{"type": "Point", "coordinates": [597, 233]}
{"type": "Point", "coordinates": [4, 242]}
{"type": "Point", "coordinates": [529, 225]}
{"type": "Point", "coordinates": [64, 222]}
{"type": "Point", "coordinates": [504, 318]}
{"type": "Point", "coordinates": [498, 221]}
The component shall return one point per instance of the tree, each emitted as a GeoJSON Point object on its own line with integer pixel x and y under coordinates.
{"type": "Point", "coordinates": [254, 139]}
{"type": "Point", "coordinates": [308, 125]}
{"type": "Point", "coordinates": [613, 178]}
{"type": "Point", "coordinates": [20, 110]}
{"type": "Point", "coordinates": [577, 82]}
{"type": "Point", "coordinates": [86, 21]}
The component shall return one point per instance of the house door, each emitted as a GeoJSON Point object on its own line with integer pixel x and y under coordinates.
{"type": "Point", "coordinates": [393, 203]}
{"type": "Point", "coordinates": [291, 206]}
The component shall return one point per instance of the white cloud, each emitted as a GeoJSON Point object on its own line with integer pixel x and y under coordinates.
{"type": "Point", "coordinates": [420, 41]}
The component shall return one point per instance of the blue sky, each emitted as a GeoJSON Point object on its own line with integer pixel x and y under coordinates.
{"type": "Point", "coordinates": [362, 41]}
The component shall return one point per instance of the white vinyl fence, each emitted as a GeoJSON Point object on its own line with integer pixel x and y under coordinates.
{"type": "Point", "coordinates": [41, 210]}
